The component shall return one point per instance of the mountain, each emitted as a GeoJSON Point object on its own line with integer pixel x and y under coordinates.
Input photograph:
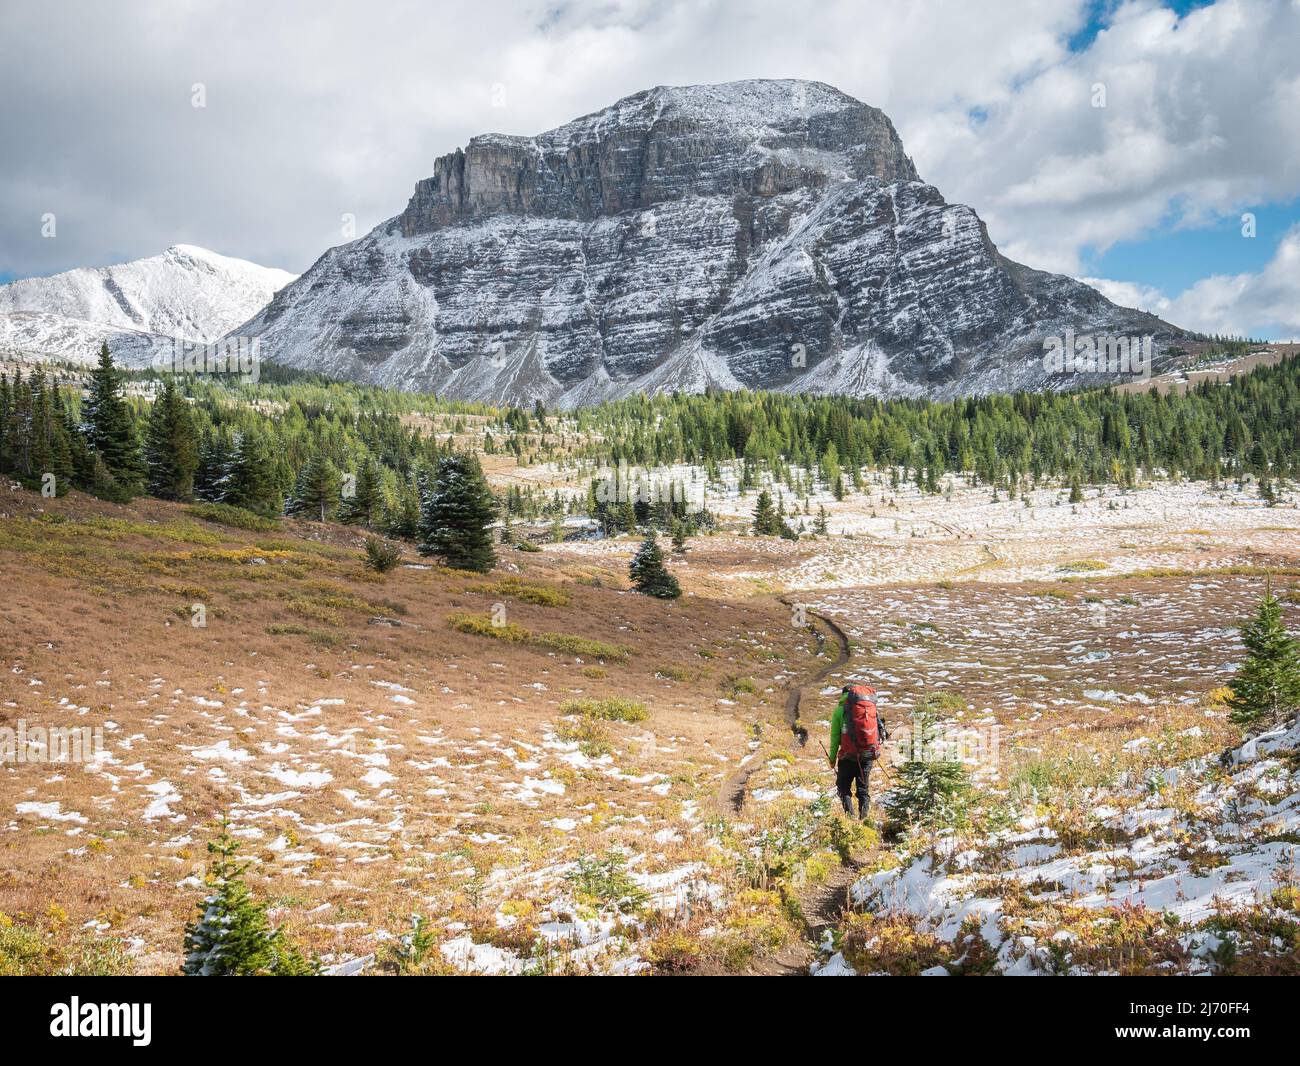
{"type": "Point", "coordinates": [185, 292]}
{"type": "Point", "coordinates": [764, 234]}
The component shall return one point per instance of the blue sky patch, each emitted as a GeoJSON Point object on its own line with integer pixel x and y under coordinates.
{"type": "Point", "coordinates": [1175, 259]}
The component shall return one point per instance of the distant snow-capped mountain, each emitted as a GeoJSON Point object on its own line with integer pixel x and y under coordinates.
{"type": "Point", "coordinates": [759, 234]}
{"type": "Point", "coordinates": [186, 292]}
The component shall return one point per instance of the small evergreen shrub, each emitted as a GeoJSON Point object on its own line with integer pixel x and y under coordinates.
{"type": "Point", "coordinates": [1266, 687]}
{"type": "Point", "coordinates": [648, 573]}
{"type": "Point", "coordinates": [232, 936]}
{"type": "Point", "coordinates": [606, 881]}
{"type": "Point", "coordinates": [381, 555]}
{"type": "Point", "coordinates": [928, 792]}
{"type": "Point", "coordinates": [938, 703]}
{"type": "Point", "coordinates": [409, 952]}
{"type": "Point", "coordinates": [736, 684]}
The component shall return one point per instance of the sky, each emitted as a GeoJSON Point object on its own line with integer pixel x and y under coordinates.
{"type": "Point", "coordinates": [1150, 148]}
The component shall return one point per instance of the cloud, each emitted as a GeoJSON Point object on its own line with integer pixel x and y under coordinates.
{"type": "Point", "coordinates": [1132, 294]}
{"type": "Point", "coordinates": [319, 110]}
{"type": "Point", "coordinates": [316, 110]}
{"type": "Point", "coordinates": [1263, 304]}
{"type": "Point", "coordinates": [1201, 120]}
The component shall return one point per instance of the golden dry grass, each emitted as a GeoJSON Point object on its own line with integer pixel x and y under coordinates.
{"type": "Point", "coordinates": [358, 803]}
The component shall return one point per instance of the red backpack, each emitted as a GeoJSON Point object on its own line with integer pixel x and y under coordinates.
{"type": "Point", "coordinates": [861, 732]}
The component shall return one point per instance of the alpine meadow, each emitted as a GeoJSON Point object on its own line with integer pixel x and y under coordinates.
{"type": "Point", "coordinates": [681, 542]}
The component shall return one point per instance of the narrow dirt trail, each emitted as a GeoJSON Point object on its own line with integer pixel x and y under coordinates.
{"type": "Point", "coordinates": [731, 798]}
{"type": "Point", "coordinates": [795, 699]}
{"type": "Point", "coordinates": [822, 903]}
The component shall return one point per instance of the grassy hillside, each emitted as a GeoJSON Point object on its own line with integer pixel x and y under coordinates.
{"type": "Point", "coordinates": [380, 746]}
{"type": "Point", "coordinates": [539, 770]}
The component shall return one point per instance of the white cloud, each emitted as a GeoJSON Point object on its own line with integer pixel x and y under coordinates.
{"type": "Point", "coordinates": [332, 107]}
{"type": "Point", "coordinates": [1264, 304]}
{"type": "Point", "coordinates": [1202, 120]}
{"type": "Point", "coordinates": [317, 109]}
{"type": "Point", "coordinates": [1132, 294]}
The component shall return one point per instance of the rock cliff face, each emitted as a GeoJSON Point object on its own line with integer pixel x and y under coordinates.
{"type": "Point", "coordinates": [753, 139]}
{"type": "Point", "coordinates": [762, 234]}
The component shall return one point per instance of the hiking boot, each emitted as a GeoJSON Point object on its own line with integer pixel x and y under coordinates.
{"type": "Point", "coordinates": [864, 805]}
{"type": "Point", "coordinates": [847, 803]}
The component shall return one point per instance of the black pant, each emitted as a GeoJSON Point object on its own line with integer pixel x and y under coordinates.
{"type": "Point", "coordinates": [848, 770]}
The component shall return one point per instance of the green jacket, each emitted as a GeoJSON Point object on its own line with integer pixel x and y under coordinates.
{"type": "Point", "coordinates": [837, 725]}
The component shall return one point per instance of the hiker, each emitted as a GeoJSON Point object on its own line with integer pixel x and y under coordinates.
{"type": "Point", "coordinates": [857, 731]}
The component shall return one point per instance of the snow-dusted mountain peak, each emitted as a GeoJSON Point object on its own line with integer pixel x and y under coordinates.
{"type": "Point", "coordinates": [184, 292]}
{"type": "Point", "coordinates": [751, 106]}
{"type": "Point", "coordinates": [760, 234]}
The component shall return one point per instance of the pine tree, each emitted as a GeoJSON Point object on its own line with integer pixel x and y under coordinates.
{"type": "Point", "coordinates": [830, 465]}
{"type": "Point", "coordinates": [626, 517]}
{"type": "Point", "coordinates": [214, 461]}
{"type": "Point", "coordinates": [1076, 489]}
{"type": "Point", "coordinates": [51, 449]}
{"type": "Point", "coordinates": [822, 529]}
{"type": "Point", "coordinates": [316, 492]}
{"type": "Point", "coordinates": [456, 514]}
{"type": "Point", "coordinates": [679, 537]}
{"type": "Point", "coordinates": [232, 936]}
{"type": "Point", "coordinates": [767, 523]}
{"type": "Point", "coordinates": [171, 446]}
{"type": "Point", "coordinates": [40, 450]}
{"type": "Point", "coordinates": [110, 427]}
{"type": "Point", "coordinates": [247, 480]}
{"type": "Point", "coordinates": [382, 555]}
{"type": "Point", "coordinates": [6, 405]}
{"type": "Point", "coordinates": [1266, 688]}
{"type": "Point", "coordinates": [102, 482]}
{"type": "Point", "coordinates": [61, 461]}
{"type": "Point", "coordinates": [927, 791]}
{"type": "Point", "coordinates": [366, 501]}
{"type": "Point", "coordinates": [18, 429]}
{"type": "Point", "coordinates": [649, 574]}
{"type": "Point", "coordinates": [402, 517]}
{"type": "Point", "coordinates": [81, 459]}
